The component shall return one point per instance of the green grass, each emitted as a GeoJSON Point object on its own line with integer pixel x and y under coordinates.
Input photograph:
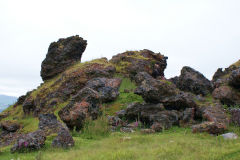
{"type": "Point", "coordinates": [174, 144]}
{"type": "Point", "coordinates": [124, 98]}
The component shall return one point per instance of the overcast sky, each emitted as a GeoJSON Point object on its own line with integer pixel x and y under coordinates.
{"type": "Point", "coordinates": [203, 34]}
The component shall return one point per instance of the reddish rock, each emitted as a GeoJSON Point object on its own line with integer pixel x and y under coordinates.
{"type": "Point", "coordinates": [62, 54]}
{"type": "Point", "coordinates": [210, 127]}
{"type": "Point", "coordinates": [227, 95]}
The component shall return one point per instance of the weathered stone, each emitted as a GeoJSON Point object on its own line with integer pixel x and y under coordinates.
{"type": "Point", "coordinates": [9, 126]}
{"type": "Point", "coordinates": [64, 139]}
{"type": "Point", "coordinates": [29, 142]}
{"type": "Point", "coordinates": [193, 81]}
{"type": "Point", "coordinates": [209, 127]}
{"type": "Point", "coordinates": [165, 92]}
{"type": "Point", "coordinates": [28, 105]}
{"type": "Point", "coordinates": [62, 54]}
{"type": "Point", "coordinates": [133, 62]}
{"type": "Point", "coordinates": [235, 116]}
{"type": "Point", "coordinates": [126, 130]}
{"type": "Point", "coordinates": [85, 104]}
{"type": "Point", "coordinates": [107, 88]}
{"type": "Point", "coordinates": [227, 95]}
{"type": "Point", "coordinates": [234, 79]}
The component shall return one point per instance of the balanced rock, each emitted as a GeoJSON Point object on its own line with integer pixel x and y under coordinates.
{"type": "Point", "coordinates": [62, 54]}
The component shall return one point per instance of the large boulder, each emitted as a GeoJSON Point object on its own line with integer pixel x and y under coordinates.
{"type": "Point", "coordinates": [107, 88]}
{"type": "Point", "coordinates": [28, 105]}
{"type": "Point", "coordinates": [216, 122]}
{"type": "Point", "coordinates": [193, 81]}
{"type": "Point", "coordinates": [84, 104]}
{"type": "Point", "coordinates": [133, 62]}
{"type": "Point", "coordinates": [62, 54]}
{"type": "Point", "coordinates": [165, 92]}
{"type": "Point", "coordinates": [227, 95]}
{"type": "Point", "coordinates": [31, 141]}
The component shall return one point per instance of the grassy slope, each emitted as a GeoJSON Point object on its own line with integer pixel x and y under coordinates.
{"type": "Point", "coordinates": [176, 143]}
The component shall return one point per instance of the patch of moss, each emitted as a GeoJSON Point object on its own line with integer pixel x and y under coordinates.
{"type": "Point", "coordinates": [124, 98]}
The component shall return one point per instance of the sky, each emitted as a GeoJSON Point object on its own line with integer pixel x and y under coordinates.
{"type": "Point", "coordinates": [203, 34]}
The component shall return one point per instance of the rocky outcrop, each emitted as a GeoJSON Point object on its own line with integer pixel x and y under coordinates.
{"type": "Point", "coordinates": [84, 104]}
{"type": "Point", "coordinates": [62, 54]}
{"type": "Point", "coordinates": [132, 62]}
{"type": "Point", "coordinates": [235, 116]}
{"type": "Point", "coordinates": [9, 126]}
{"type": "Point", "coordinates": [28, 105]}
{"type": "Point", "coordinates": [191, 80]}
{"type": "Point", "coordinates": [165, 92]}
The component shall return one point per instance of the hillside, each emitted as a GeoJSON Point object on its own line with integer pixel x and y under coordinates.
{"type": "Point", "coordinates": [6, 101]}
{"type": "Point", "coordinates": [126, 106]}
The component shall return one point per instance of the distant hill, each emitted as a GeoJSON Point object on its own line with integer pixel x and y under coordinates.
{"type": "Point", "coordinates": [5, 101]}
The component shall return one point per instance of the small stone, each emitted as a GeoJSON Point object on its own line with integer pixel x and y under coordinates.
{"type": "Point", "coordinates": [230, 136]}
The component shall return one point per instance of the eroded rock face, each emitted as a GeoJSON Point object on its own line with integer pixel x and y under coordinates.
{"type": "Point", "coordinates": [107, 88]}
{"type": "Point", "coordinates": [192, 81]}
{"type": "Point", "coordinates": [85, 104]}
{"type": "Point", "coordinates": [29, 142]}
{"type": "Point", "coordinates": [62, 54]}
{"type": "Point", "coordinates": [133, 62]}
{"type": "Point", "coordinates": [165, 92]}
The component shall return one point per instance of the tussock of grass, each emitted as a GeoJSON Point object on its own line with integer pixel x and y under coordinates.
{"type": "Point", "coordinates": [176, 143]}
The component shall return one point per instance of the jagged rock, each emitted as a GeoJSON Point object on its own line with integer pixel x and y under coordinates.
{"type": "Point", "coordinates": [28, 105]}
{"type": "Point", "coordinates": [209, 127]}
{"type": "Point", "coordinates": [229, 136]}
{"type": "Point", "coordinates": [163, 91]}
{"type": "Point", "coordinates": [220, 73]}
{"type": "Point", "coordinates": [30, 141]}
{"type": "Point", "coordinates": [107, 88]}
{"type": "Point", "coordinates": [234, 79]}
{"type": "Point", "coordinates": [235, 116]}
{"type": "Point", "coordinates": [135, 111]}
{"type": "Point", "coordinates": [9, 126]}
{"type": "Point", "coordinates": [62, 54]}
{"type": "Point", "coordinates": [85, 104]}
{"type": "Point", "coordinates": [133, 62]}
{"type": "Point", "coordinates": [193, 81]}
{"type": "Point", "coordinates": [64, 139]}
{"type": "Point", "coordinates": [227, 95]}
{"type": "Point", "coordinates": [216, 120]}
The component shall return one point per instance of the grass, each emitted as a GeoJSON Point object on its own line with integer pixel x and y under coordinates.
{"type": "Point", "coordinates": [124, 98]}
{"type": "Point", "coordinates": [176, 143]}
